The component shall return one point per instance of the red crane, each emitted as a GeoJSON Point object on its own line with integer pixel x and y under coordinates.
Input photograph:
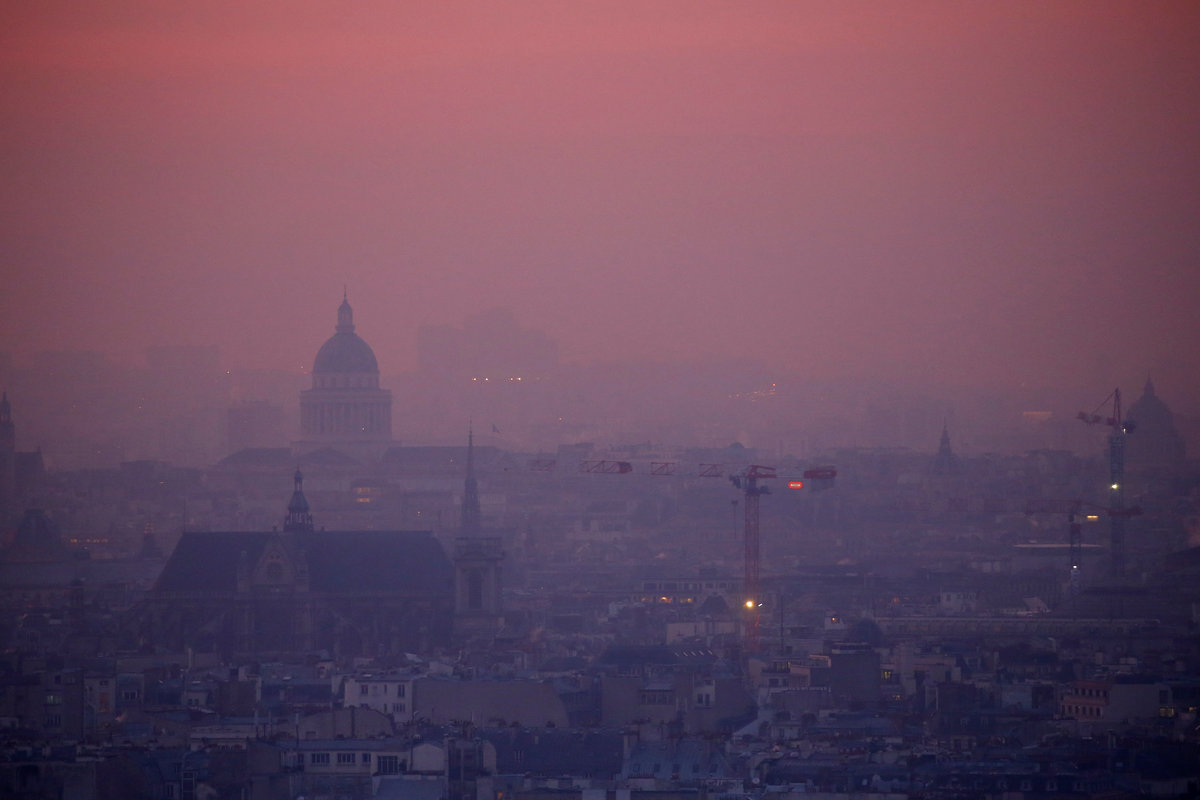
{"type": "Point", "coordinates": [747, 480]}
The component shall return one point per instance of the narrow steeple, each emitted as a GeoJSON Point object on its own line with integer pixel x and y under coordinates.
{"type": "Point", "coordinates": [8, 437]}
{"type": "Point", "coordinates": [945, 462]}
{"type": "Point", "coordinates": [345, 323]}
{"type": "Point", "coordinates": [471, 516]}
{"type": "Point", "coordinates": [298, 519]}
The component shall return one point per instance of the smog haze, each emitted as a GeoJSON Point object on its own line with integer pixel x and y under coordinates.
{"type": "Point", "coordinates": [952, 199]}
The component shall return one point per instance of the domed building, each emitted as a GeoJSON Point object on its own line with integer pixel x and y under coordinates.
{"type": "Point", "coordinates": [345, 409]}
{"type": "Point", "coordinates": [1154, 448]}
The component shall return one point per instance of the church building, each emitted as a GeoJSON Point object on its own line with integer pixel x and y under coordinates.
{"type": "Point", "coordinates": [298, 589]}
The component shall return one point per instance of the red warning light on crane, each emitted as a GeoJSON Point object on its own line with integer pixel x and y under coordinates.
{"type": "Point", "coordinates": [795, 484]}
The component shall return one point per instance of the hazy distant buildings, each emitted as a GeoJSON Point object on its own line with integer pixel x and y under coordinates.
{"type": "Point", "coordinates": [254, 424]}
{"type": "Point", "coordinates": [345, 409]}
{"type": "Point", "coordinates": [491, 346]}
{"type": "Point", "coordinates": [1154, 449]}
{"type": "Point", "coordinates": [18, 470]}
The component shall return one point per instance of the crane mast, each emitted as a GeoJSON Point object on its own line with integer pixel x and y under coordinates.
{"type": "Point", "coordinates": [1116, 479]}
{"type": "Point", "coordinates": [748, 482]}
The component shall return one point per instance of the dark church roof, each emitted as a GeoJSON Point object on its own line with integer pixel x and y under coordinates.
{"type": "Point", "coordinates": [410, 563]}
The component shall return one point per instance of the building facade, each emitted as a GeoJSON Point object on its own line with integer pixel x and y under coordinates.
{"type": "Point", "coordinates": [345, 409]}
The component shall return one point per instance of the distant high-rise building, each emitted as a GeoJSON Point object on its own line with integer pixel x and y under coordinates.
{"type": "Point", "coordinates": [254, 424]}
{"type": "Point", "coordinates": [345, 409]}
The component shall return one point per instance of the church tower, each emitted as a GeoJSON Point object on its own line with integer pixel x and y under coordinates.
{"type": "Point", "coordinates": [299, 518]}
{"type": "Point", "coordinates": [345, 409]}
{"type": "Point", "coordinates": [945, 462]}
{"type": "Point", "coordinates": [477, 563]}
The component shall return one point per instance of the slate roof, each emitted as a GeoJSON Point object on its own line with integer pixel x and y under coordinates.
{"type": "Point", "coordinates": [684, 759]}
{"type": "Point", "coordinates": [631, 655]}
{"type": "Point", "coordinates": [339, 562]}
{"type": "Point", "coordinates": [552, 752]}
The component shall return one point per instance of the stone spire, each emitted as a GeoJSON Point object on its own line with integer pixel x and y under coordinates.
{"type": "Point", "coordinates": [471, 516]}
{"type": "Point", "coordinates": [298, 519]}
{"type": "Point", "coordinates": [945, 462]}
{"type": "Point", "coordinates": [8, 436]}
{"type": "Point", "coordinates": [345, 323]}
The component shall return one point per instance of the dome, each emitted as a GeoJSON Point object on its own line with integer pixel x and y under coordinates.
{"type": "Point", "coordinates": [1155, 444]}
{"type": "Point", "coordinates": [345, 351]}
{"type": "Point", "coordinates": [1151, 412]}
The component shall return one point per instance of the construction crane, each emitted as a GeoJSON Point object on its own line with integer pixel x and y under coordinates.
{"type": "Point", "coordinates": [748, 482]}
{"type": "Point", "coordinates": [1075, 516]}
{"type": "Point", "coordinates": [1116, 475]}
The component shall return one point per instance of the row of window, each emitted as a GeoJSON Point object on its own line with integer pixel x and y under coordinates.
{"type": "Point", "coordinates": [385, 765]}
{"type": "Point", "coordinates": [1074, 710]}
{"type": "Point", "coordinates": [374, 689]}
{"type": "Point", "coordinates": [672, 586]}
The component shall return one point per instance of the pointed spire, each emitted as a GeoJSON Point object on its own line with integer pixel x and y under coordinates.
{"type": "Point", "coordinates": [8, 435]}
{"type": "Point", "coordinates": [298, 518]}
{"type": "Point", "coordinates": [345, 323]}
{"type": "Point", "coordinates": [471, 515]}
{"type": "Point", "coordinates": [1148, 390]}
{"type": "Point", "coordinates": [945, 462]}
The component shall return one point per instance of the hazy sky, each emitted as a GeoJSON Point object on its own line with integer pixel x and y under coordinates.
{"type": "Point", "coordinates": [1004, 192]}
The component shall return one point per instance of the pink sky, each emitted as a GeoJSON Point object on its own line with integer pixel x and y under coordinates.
{"type": "Point", "coordinates": [964, 192]}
